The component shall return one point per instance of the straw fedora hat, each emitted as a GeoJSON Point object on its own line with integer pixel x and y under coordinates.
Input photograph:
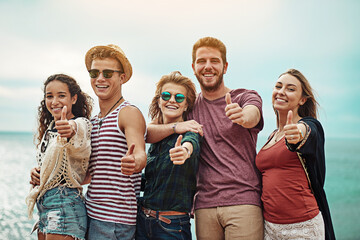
{"type": "Point", "coordinates": [119, 55]}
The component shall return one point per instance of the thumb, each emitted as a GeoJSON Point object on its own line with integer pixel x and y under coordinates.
{"type": "Point", "coordinates": [63, 113]}
{"type": "Point", "coordinates": [131, 149]}
{"type": "Point", "coordinates": [228, 98]}
{"type": "Point", "coordinates": [289, 118]}
{"type": "Point", "coordinates": [178, 141]}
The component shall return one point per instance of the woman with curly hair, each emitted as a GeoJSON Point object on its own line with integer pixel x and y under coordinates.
{"type": "Point", "coordinates": [63, 155]}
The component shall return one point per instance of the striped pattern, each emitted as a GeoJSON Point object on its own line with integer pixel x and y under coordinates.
{"type": "Point", "coordinates": [111, 195]}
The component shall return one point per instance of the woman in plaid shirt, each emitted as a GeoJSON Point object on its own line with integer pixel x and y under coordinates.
{"type": "Point", "coordinates": [172, 164]}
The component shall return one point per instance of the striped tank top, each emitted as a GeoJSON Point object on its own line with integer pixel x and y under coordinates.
{"type": "Point", "coordinates": [111, 195]}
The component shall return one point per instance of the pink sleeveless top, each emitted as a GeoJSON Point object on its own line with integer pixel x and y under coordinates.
{"type": "Point", "coordinates": [286, 194]}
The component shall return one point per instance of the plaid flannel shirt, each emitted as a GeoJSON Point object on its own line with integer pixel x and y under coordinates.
{"type": "Point", "coordinates": [170, 187]}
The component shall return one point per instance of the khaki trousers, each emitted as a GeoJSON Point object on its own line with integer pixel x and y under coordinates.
{"type": "Point", "coordinates": [229, 222]}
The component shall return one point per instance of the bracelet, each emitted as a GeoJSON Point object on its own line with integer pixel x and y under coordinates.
{"type": "Point", "coordinates": [188, 151]}
{"type": "Point", "coordinates": [173, 127]}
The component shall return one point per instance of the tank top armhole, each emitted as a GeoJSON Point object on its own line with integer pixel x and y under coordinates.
{"type": "Point", "coordinates": [120, 107]}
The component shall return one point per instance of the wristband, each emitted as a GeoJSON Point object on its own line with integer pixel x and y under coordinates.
{"type": "Point", "coordinates": [173, 127]}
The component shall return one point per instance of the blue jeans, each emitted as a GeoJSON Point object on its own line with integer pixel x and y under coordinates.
{"type": "Point", "coordinates": [98, 230]}
{"type": "Point", "coordinates": [152, 228]}
{"type": "Point", "coordinates": [62, 211]}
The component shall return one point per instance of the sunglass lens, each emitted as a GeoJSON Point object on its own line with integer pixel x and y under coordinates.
{"type": "Point", "coordinates": [94, 73]}
{"type": "Point", "coordinates": [108, 73]}
{"type": "Point", "coordinates": [166, 96]}
{"type": "Point", "coordinates": [179, 98]}
{"type": "Point", "coordinates": [43, 147]}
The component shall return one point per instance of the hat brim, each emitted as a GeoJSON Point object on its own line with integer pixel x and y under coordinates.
{"type": "Point", "coordinates": [119, 55]}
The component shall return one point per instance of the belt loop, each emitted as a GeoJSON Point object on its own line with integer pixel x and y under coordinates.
{"type": "Point", "coordinates": [157, 215]}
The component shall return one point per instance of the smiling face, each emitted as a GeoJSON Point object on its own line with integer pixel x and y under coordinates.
{"type": "Point", "coordinates": [287, 94]}
{"type": "Point", "coordinates": [57, 95]}
{"type": "Point", "coordinates": [171, 110]}
{"type": "Point", "coordinates": [107, 88]}
{"type": "Point", "coordinates": [209, 68]}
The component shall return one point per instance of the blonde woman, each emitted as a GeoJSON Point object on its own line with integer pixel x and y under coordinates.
{"type": "Point", "coordinates": [171, 167]}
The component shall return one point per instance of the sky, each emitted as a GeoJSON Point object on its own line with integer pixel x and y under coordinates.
{"type": "Point", "coordinates": [263, 39]}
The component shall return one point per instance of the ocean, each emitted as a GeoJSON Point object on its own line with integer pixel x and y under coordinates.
{"type": "Point", "coordinates": [17, 157]}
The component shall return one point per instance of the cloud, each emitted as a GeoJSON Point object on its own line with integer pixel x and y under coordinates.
{"type": "Point", "coordinates": [264, 38]}
{"type": "Point", "coordinates": [29, 60]}
{"type": "Point", "coordinates": [19, 95]}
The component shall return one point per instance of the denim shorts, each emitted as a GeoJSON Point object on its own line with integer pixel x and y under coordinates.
{"type": "Point", "coordinates": [62, 211]}
{"type": "Point", "coordinates": [98, 230]}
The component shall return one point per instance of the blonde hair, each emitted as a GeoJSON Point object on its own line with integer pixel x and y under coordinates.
{"type": "Point", "coordinates": [176, 78]}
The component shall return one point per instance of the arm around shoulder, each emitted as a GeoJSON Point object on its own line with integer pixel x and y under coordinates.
{"type": "Point", "coordinates": [157, 132]}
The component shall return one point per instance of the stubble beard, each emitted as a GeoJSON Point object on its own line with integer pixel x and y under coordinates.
{"type": "Point", "coordinates": [211, 88]}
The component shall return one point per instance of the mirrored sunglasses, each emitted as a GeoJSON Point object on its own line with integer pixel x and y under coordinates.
{"type": "Point", "coordinates": [107, 73]}
{"type": "Point", "coordinates": [179, 98]}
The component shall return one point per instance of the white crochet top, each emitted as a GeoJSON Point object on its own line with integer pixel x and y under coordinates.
{"type": "Point", "coordinates": [60, 160]}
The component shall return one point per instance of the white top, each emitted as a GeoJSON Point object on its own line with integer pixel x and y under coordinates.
{"type": "Point", "coordinates": [60, 160]}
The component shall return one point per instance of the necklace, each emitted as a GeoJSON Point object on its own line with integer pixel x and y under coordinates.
{"type": "Point", "coordinates": [276, 136]}
{"type": "Point", "coordinates": [101, 120]}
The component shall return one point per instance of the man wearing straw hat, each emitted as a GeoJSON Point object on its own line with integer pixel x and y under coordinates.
{"type": "Point", "coordinates": [118, 148]}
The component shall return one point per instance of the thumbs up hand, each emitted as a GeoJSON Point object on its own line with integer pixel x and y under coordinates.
{"type": "Point", "coordinates": [65, 128]}
{"type": "Point", "coordinates": [63, 113]}
{"type": "Point", "coordinates": [128, 161]}
{"type": "Point", "coordinates": [233, 111]}
{"type": "Point", "coordinates": [228, 99]}
{"type": "Point", "coordinates": [179, 154]}
{"type": "Point", "coordinates": [292, 130]}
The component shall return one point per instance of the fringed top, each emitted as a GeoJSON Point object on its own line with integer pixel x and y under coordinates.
{"type": "Point", "coordinates": [62, 161]}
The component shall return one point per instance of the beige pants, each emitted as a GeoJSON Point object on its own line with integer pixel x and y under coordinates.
{"type": "Point", "coordinates": [230, 222]}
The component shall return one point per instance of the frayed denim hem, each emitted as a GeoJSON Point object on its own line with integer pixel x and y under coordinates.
{"type": "Point", "coordinates": [74, 237]}
{"type": "Point", "coordinates": [62, 211]}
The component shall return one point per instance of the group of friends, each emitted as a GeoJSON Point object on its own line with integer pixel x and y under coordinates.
{"type": "Point", "coordinates": [202, 161]}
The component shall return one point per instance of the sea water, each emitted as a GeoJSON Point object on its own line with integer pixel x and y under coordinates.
{"type": "Point", "coordinates": [17, 158]}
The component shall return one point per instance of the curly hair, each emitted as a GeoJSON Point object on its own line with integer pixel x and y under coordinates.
{"type": "Point", "coordinates": [82, 108]}
{"type": "Point", "coordinates": [176, 78]}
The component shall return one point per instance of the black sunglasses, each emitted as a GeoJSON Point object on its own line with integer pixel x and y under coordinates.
{"type": "Point", "coordinates": [45, 142]}
{"type": "Point", "coordinates": [179, 98]}
{"type": "Point", "coordinates": [107, 73]}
